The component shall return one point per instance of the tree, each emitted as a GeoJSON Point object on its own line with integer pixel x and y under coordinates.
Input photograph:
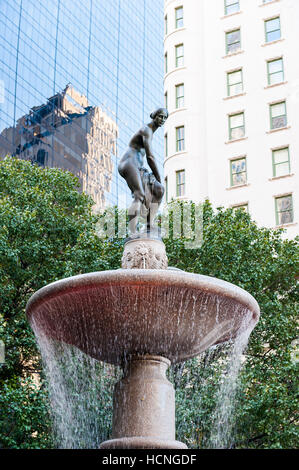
{"type": "Point", "coordinates": [261, 262]}
{"type": "Point", "coordinates": [47, 232]}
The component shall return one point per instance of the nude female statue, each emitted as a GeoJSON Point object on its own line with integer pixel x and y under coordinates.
{"type": "Point", "coordinates": [147, 189]}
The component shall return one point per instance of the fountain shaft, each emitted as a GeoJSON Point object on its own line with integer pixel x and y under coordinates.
{"type": "Point", "coordinates": [144, 407]}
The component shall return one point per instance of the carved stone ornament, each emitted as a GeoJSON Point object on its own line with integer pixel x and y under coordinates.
{"type": "Point", "coordinates": [144, 254]}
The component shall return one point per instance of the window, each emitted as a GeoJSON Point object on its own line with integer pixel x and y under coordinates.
{"type": "Point", "coordinates": [284, 209]}
{"type": "Point", "coordinates": [238, 173]}
{"type": "Point", "coordinates": [275, 71]}
{"type": "Point", "coordinates": [179, 55]}
{"type": "Point", "coordinates": [243, 207]}
{"type": "Point", "coordinates": [165, 63]}
{"type": "Point", "coordinates": [236, 126]}
{"type": "Point", "coordinates": [233, 41]}
{"type": "Point", "coordinates": [165, 145]}
{"type": "Point", "coordinates": [231, 6]}
{"type": "Point", "coordinates": [166, 188]}
{"type": "Point", "coordinates": [281, 162]}
{"type": "Point", "coordinates": [278, 115]}
{"type": "Point", "coordinates": [179, 96]}
{"type": "Point", "coordinates": [179, 19]}
{"type": "Point", "coordinates": [166, 100]}
{"type": "Point", "coordinates": [165, 25]}
{"type": "Point", "coordinates": [272, 29]}
{"type": "Point", "coordinates": [180, 138]}
{"type": "Point", "coordinates": [234, 83]}
{"type": "Point", "coordinates": [180, 183]}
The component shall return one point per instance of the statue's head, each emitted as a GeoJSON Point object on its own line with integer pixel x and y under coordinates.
{"type": "Point", "coordinates": [159, 116]}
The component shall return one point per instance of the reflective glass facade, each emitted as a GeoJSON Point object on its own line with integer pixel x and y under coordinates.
{"type": "Point", "coordinates": [79, 78]}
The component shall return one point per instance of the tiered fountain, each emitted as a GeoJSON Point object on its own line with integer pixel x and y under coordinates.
{"type": "Point", "coordinates": [143, 317]}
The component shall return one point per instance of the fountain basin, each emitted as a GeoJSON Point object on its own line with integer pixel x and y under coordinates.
{"type": "Point", "coordinates": [112, 315]}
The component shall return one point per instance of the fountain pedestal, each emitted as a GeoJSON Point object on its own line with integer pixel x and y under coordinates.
{"type": "Point", "coordinates": [144, 407]}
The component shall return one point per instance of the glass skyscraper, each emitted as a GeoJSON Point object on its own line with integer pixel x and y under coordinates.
{"type": "Point", "coordinates": [77, 79]}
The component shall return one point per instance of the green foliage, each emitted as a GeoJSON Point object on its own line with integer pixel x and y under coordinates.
{"type": "Point", "coordinates": [48, 232]}
{"type": "Point", "coordinates": [24, 415]}
{"type": "Point", "coordinates": [260, 261]}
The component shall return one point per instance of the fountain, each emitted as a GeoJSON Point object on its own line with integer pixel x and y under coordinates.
{"type": "Point", "coordinates": [143, 317]}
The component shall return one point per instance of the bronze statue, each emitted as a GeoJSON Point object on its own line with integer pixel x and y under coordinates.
{"type": "Point", "coordinates": [147, 189]}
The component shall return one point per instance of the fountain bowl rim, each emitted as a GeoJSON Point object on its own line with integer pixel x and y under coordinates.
{"type": "Point", "coordinates": [146, 276]}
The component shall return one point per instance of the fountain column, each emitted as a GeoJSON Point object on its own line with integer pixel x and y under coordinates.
{"type": "Point", "coordinates": [144, 400]}
{"type": "Point", "coordinates": [144, 407]}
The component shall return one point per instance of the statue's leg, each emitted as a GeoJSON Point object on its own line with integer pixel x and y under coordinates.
{"type": "Point", "coordinates": [134, 181]}
{"type": "Point", "coordinates": [134, 212]}
{"type": "Point", "coordinates": [157, 195]}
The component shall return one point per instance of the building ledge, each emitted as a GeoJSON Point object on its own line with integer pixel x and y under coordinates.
{"type": "Point", "coordinates": [173, 32]}
{"type": "Point", "coordinates": [272, 42]}
{"type": "Point", "coordinates": [289, 193]}
{"type": "Point", "coordinates": [269, 3]}
{"type": "Point", "coordinates": [278, 129]}
{"type": "Point", "coordinates": [281, 177]}
{"type": "Point", "coordinates": [177, 154]}
{"type": "Point", "coordinates": [238, 186]}
{"type": "Point", "coordinates": [291, 224]}
{"type": "Point", "coordinates": [275, 85]}
{"type": "Point", "coordinates": [239, 205]}
{"type": "Point", "coordinates": [232, 54]}
{"type": "Point", "coordinates": [176, 110]}
{"type": "Point", "coordinates": [236, 140]}
{"type": "Point", "coordinates": [176, 69]}
{"type": "Point", "coordinates": [231, 14]}
{"type": "Point", "coordinates": [234, 96]}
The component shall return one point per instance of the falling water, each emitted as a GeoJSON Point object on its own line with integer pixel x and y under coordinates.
{"type": "Point", "coordinates": [223, 418]}
{"type": "Point", "coordinates": [80, 392]}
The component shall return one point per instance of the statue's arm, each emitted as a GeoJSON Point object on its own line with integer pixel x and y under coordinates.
{"type": "Point", "coordinates": [147, 137]}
